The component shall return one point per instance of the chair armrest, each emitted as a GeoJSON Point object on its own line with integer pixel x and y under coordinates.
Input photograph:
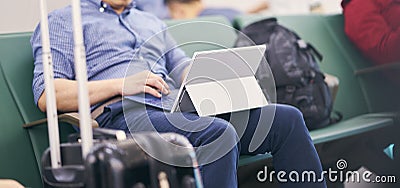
{"type": "Point", "coordinates": [377, 68]}
{"type": "Point", "coordinates": [71, 118]}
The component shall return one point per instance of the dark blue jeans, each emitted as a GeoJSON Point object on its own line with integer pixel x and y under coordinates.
{"type": "Point", "coordinates": [278, 129]}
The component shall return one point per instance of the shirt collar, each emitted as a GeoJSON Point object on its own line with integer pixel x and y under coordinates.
{"type": "Point", "coordinates": [101, 5]}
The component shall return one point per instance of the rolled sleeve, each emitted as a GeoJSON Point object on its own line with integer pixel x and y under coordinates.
{"type": "Point", "coordinates": [368, 28]}
{"type": "Point", "coordinates": [61, 50]}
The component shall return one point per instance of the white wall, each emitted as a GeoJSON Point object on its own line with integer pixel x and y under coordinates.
{"type": "Point", "coordinates": [332, 6]}
{"type": "Point", "coordinates": [329, 6]}
{"type": "Point", "coordinates": [24, 15]}
{"type": "Point", "coordinates": [242, 5]}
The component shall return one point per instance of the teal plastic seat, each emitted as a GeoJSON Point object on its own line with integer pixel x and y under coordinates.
{"type": "Point", "coordinates": [203, 33]}
{"type": "Point", "coordinates": [17, 159]}
{"type": "Point", "coordinates": [16, 62]}
{"type": "Point", "coordinates": [350, 127]}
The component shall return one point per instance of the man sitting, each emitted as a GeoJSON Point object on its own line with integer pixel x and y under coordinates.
{"type": "Point", "coordinates": [115, 35]}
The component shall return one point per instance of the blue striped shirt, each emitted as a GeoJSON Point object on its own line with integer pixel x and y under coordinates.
{"type": "Point", "coordinates": [115, 45]}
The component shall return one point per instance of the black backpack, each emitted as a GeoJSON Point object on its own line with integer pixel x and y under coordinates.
{"type": "Point", "coordinates": [298, 78]}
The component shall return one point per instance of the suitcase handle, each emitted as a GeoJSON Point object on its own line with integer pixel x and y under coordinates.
{"type": "Point", "coordinates": [101, 134]}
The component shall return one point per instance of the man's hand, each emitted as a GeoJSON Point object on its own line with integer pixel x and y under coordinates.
{"type": "Point", "coordinates": [145, 82]}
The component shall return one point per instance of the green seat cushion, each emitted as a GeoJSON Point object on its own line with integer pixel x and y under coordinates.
{"type": "Point", "coordinates": [17, 63]}
{"type": "Point", "coordinates": [245, 20]}
{"type": "Point", "coordinates": [204, 33]}
{"type": "Point", "coordinates": [353, 126]}
{"type": "Point", "coordinates": [17, 159]}
{"type": "Point", "coordinates": [347, 128]}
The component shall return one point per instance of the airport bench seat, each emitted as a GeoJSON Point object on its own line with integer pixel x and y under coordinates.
{"type": "Point", "coordinates": [22, 148]}
{"type": "Point", "coordinates": [350, 127]}
{"type": "Point", "coordinates": [353, 126]}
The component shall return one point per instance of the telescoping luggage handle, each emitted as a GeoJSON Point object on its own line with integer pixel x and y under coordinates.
{"type": "Point", "coordinates": [51, 109]}
{"type": "Point", "coordinates": [81, 76]}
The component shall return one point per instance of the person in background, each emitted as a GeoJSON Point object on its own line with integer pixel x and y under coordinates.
{"type": "Point", "coordinates": [374, 27]}
{"type": "Point", "coordinates": [287, 7]}
{"type": "Point", "coordinates": [259, 8]}
{"type": "Point", "coordinates": [155, 7]}
{"type": "Point", "coordinates": [187, 9]}
{"type": "Point", "coordinates": [293, 7]}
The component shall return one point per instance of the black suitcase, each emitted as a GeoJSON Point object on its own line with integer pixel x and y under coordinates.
{"type": "Point", "coordinates": [127, 163]}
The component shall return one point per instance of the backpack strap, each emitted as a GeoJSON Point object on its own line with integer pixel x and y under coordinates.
{"type": "Point", "coordinates": [307, 46]}
{"type": "Point", "coordinates": [339, 117]}
{"type": "Point", "coordinates": [290, 89]}
{"type": "Point", "coordinates": [315, 51]}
